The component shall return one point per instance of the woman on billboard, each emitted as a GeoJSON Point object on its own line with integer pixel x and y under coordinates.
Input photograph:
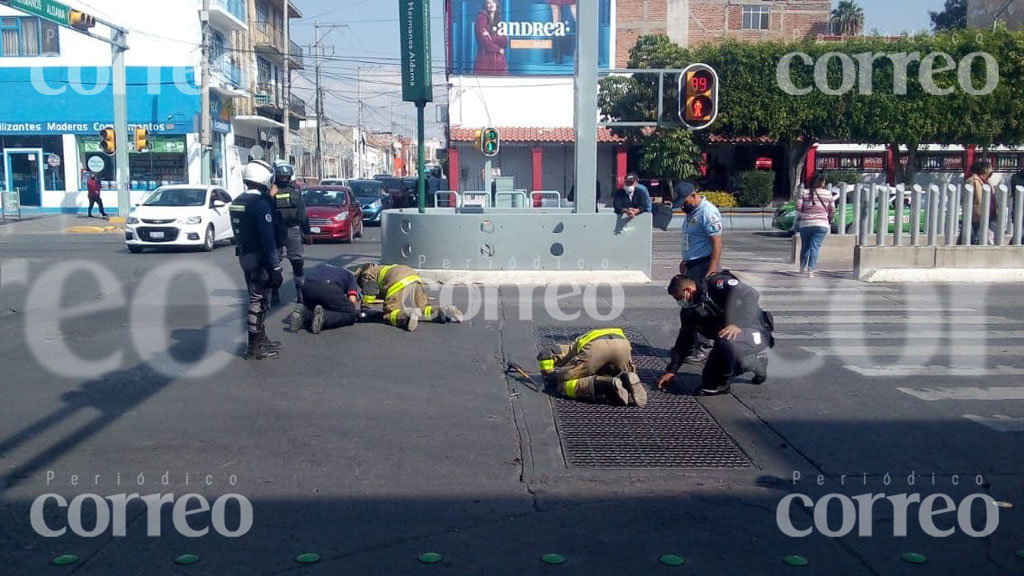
{"type": "Point", "coordinates": [490, 55]}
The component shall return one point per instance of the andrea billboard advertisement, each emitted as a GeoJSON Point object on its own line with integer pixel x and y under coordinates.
{"type": "Point", "coordinates": [519, 37]}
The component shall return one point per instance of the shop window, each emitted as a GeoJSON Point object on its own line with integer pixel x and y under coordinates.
{"type": "Point", "coordinates": [28, 36]}
{"type": "Point", "coordinates": [165, 163]}
{"type": "Point", "coordinates": [53, 157]}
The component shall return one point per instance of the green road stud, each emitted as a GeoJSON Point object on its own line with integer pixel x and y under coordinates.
{"type": "Point", "coordinates": [913, 558]}
{"type": "Point", "coordinates": [65, 559]}
{"type": "Point", "coordinates": [307, 558]}
{"type": "Point", "coordinates": [552, 558]}
{"type": "Point", "coordinates": [186, 559]}
{"type": "Point", "coordinates": [430, 558]}
{"type": "Point", "coordinates": [796, 560]}
{"type": "Point", "coordinates": [672, 560]}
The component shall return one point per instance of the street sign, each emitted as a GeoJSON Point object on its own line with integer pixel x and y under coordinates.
{"type": "Point", "coordinates": [417, 85]}
{"type": "Point", "coordinates": [48, 9]}
{"type": "Point", "coordinates": [11, 203]}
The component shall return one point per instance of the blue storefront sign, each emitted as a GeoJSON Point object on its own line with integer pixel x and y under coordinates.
{"type": "Point", "coordinates": [46, 101]}
{"type": "Point", "coordinates": [522, 38]}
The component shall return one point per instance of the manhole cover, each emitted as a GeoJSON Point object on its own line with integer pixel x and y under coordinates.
{"type": "Point", "coordinates": [672, 431]}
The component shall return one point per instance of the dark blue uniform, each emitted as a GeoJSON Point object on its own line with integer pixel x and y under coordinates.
{"type": "Point", "coordinates": [330, 287]}
{"type": "Point", "coordinates": [723, 301]}
{"type": "Point", "coordinates": [252, 220]}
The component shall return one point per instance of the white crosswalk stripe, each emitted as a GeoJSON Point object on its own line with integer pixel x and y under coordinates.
{"type": "Point", "coordinates": [933, 343]}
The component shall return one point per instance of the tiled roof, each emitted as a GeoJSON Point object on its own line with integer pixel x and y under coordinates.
{"type": "Point", "coordinates": [532, 135]}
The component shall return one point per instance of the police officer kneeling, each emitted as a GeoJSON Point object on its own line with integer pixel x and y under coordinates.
{"type": "Point", "coordinates": [727, 312]}
{"type": "Point", "coordinates": [252, 219]}
{"type": "Point", "coordinates": [330, 300]}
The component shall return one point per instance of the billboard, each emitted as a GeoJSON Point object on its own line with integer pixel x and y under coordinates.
{"type": "Point", "coordinates": [519, 37]}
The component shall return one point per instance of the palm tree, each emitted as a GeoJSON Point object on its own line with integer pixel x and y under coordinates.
{"type": "Point", "coordinates": [847, 19]}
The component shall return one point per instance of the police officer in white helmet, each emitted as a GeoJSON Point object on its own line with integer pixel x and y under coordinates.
{"type": "Point", "coordinates": [252, 219]}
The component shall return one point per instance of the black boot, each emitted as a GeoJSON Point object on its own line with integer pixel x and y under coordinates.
{"type": "Point", "coordinates": [256, 349]}
{"type": "Point", "coordinates": [370, 316]}
{"type": "Point", "coordinates": [713, 388]}
{"type": "Point", "coordinates": [758, 364]}
{"type": "Point", "coordinates": [272, 345]}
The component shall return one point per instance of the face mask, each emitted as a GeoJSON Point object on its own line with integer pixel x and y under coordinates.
{"type": "Point", "coordinates": [689, 208]}
{"type": "Point", "coordinates": [630, 189]}
{"type": "Point", "coordinates": [684, 304]}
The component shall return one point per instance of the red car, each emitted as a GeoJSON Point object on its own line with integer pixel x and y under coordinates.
{"type": "Point", "coordinates": [334, 213]}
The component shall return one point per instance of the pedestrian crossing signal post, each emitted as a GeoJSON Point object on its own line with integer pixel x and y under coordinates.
{"type": "Point", "coordinates": [698, 96]}
{"type": "Point", "coordinates": [489, 146]}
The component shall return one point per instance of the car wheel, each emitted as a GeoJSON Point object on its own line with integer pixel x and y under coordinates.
{"type": "Point", "coordinates": [360, 234]}
{"type": "Point", "coordinates": [208, 242]}
{"type": "Point", "coordinates": [134, 249]}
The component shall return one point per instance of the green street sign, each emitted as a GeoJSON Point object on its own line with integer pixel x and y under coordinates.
{"type": "Point", "coordinates": [47, 9]}
{"type": "Point", "coordinates": [415, 38]}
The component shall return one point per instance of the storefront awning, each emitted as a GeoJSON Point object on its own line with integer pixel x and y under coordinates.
{"type": "Point", "coordinates": [256, 122]}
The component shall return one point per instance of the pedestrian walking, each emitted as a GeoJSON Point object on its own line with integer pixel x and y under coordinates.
{"type": "Point", "coordinates": [981, 171]}
{"type": "Point", "coordinates": [93, 186]}
{"type": "Point", "coordinates": [816, 209]}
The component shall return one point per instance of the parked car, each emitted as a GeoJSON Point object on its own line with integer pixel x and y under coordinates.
{"type": "Point", "coordinates": [373, 197]}
{"type": "Point", "coordinates": [413, 194]}
{"type": "Point", "coordinates": [180, 215]}
{"type": "Point", "coordinates": [334, 182]}
{"type": "Point", "coordinates": [334, 213]}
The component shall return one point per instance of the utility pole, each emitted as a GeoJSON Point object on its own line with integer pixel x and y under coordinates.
{"type": "Point", "coordinates": [359, 122]}
{"type": "Point", "coordinates": [204, 114]}
{"type": "Point", "coordinates": [286, 150]}
{"type": "Point", "coordinates": [118, 48]}
{"type": "Point", "coordinates": [319, 107]}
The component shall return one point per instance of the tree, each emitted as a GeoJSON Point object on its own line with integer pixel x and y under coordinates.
{"type": "Point", "coordinates": [672, 154]}
{"type": "Point", "coordinates": [952, 17]}
{"type": "Point", "coordinates": [847, 19]}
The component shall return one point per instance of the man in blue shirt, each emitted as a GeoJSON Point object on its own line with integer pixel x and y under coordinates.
{"type": "Point", "coordinates": [702, 250]}
{"type": "Point", "coordinates": [633, 199]}
{"type": "Point", "coordinates": [702, 238]}
{"type": "Point", "coordinates": [330, 299]}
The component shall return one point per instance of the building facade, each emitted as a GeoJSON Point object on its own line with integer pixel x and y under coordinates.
{"type": "Point", "coordinates": [982, 13]}
{"type": "Point", "coordinates": [527, 91]}
{"type": "Point", "coordinates": [59, 95]}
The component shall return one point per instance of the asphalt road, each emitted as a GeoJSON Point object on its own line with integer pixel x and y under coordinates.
{"type": "Point", "coordinates": [370, 445]}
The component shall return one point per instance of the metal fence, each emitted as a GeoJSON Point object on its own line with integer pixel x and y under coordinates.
{"type": "Point", "coordinates": [935, 216]}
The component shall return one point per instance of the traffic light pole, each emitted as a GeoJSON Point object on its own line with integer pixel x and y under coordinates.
{"type": "Point", "coordinates": [121, 121]}
{"type": "Point", "coordinates": [587, 27]}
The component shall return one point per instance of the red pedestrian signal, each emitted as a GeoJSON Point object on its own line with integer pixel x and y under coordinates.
{"type": "Point", "coordinates": [698, 96]}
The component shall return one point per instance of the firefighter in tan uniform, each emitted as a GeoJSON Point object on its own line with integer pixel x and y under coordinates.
{"type": "Point", "coordinates": [405, 301]}
{"type": "Point", "coordinates": [597, 367]}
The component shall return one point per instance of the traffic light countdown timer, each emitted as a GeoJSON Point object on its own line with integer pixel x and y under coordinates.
{"type": "Point", "coordinates": [698, 96]}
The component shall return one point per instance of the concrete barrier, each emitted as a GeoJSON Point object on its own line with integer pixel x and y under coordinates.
{"type": "Point", "coordinates": [870, 260]}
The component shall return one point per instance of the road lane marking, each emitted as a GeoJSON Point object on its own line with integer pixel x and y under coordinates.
{"type": "Point", "coordinates": [934, 371]}
{"type": "Point", "coordinates": [916, 334]}
{"type": "Point", "coordinates": [998, 393]}
{"type": "Point", "coordinates": [935, 348]}
{"type": "Point", "coordinates": [998, 422]}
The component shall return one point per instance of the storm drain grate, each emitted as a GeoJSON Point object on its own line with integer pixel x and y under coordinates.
{"type": "Point", "coordinates": [672, 431]}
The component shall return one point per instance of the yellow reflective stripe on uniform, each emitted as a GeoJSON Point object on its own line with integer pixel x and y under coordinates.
{"type": "Point", "coordinates": [369, 298]}
{"type": "Point", "coordinates": [393, 317]}
{"type": "Point", "coordinates": [282, 196]}
{"type": "Point", "coordinates": [546, 365]}
{"type": "Point", "coordinates": [398, 286]}
{"type": "Point", "coordinates": [237, 208]}
{"type": "Point", "coordinates": [595, 334]}
{"type": "Point", "coordinates": [383, 272]}
{"type": "Point", "coordinates": [570, 388]}
{"type": "Point", "coordinates": [427, 310]}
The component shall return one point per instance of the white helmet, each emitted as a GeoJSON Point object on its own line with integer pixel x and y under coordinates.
{"type": "Point", "coordinates": [258, 174]}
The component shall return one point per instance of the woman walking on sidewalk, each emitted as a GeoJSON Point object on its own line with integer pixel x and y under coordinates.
{"type": "Point", "coordinates": [816, 209]}
{"type": "Point", "coordinates": [94, 195]}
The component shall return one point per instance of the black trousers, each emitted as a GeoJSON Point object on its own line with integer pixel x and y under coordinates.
{"type": "Point", "coordinates": [726, 355]}
{"type": "Point", "coordinates": [256, 279]}
{"type": "Point", "coordinates": [95, 201]}
{"type": "Point", "coordinates": [338, 309]}
{"type": "Point", "coordinates": [697, 270]}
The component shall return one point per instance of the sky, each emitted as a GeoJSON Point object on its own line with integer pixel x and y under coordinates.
{"type": "Point", "coordinates": [370, 43]}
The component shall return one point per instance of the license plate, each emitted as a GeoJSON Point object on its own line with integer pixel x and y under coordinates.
{"type": "Point", "coordinates": [314, 229]}
{"type": "Point", "coordinates": [156, 235]}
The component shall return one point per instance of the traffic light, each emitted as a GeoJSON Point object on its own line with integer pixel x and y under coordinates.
{"type": "Point", "coordinates": [489, 142]}
{"type": "Point", "coordinates": [81, 21]}
{"type": "Point", "coordinates": [698, 96]}
{"type": "Point", "coordinates": [141, 139]}
{"type": "Point", "coordinates": [108, 141]}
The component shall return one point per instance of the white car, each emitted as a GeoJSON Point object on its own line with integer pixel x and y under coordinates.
{"type": "Point", "coordinates": [180, 215]}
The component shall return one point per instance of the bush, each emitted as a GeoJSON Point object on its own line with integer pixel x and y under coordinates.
{"type": "Point", "coordinates": [721, 199]}
{"type": "Point", "coordinates": [755, 188]}
{"type": "Point", "coordinates": [837, 178]}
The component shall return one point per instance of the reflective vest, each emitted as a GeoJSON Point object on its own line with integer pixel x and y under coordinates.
{"type": "Point", "coordinates": [595, 334]}
{"type": "Point", "coordinates": [397, 286]}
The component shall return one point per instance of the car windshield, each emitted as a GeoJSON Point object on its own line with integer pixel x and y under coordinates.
{"type": "Point", "coordinates": [314, 197]}
{"type": "Point", "coordinates": [369, 190]}
{"type": "Point", "coordinates": [177, 197]}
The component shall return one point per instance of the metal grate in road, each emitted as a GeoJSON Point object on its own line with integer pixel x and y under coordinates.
{"type": "Point", "coordinates": [672, 431]}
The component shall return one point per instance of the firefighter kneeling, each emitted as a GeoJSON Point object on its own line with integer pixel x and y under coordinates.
{"type": "Point", "coordinates": [597, 367]}
{"type": "Point", "coordinates": [405, 301]}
